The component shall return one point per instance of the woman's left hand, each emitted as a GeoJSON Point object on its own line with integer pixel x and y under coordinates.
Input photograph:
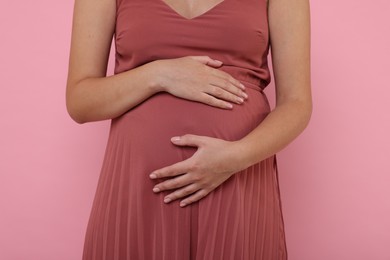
{"type": "Point", "coordinates": [214, 162]}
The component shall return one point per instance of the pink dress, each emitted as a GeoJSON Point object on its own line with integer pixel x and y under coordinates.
{"type": "Point", "coordinates": [241, 218]}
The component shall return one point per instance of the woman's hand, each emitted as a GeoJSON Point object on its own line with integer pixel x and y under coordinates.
{"type": "Point", "coordinates": [195, 78]}
{"type": "Point", "coordinates": [213, 163]}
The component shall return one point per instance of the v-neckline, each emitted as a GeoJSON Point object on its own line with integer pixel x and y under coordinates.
{"type": "Point", "coordinates": [195, 17]}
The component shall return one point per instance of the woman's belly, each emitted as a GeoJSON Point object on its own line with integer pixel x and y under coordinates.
{"type": "Point", "coordinates": [146, 130]}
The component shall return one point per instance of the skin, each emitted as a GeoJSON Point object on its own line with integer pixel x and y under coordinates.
{"type": "Point", "coordinates": [192, 8]}
{"type": "Point", "coordinates": [92, 96]}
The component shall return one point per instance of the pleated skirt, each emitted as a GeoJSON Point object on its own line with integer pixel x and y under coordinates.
{"type": "Point", "coordinates": [240, 219]}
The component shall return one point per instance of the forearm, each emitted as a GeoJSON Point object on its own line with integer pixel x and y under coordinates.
{"type": "Point", "coordinates": [95, 99]}
{"type": "Point", "coordinates": [275, 132]}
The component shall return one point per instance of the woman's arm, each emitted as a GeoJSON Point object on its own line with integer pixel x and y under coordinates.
{"type": "Point", "coordinates": [215, 159]}
{"type": "Point", "coordinates": [289, 23]}
{"type": "Point", "coordinates": [91, 96]}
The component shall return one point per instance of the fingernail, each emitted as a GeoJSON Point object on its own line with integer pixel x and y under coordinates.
{"type": "Point", "coordinates": [242, 85]}
{"type": "Point", "coordinates": [240, 100]}
{"type": "Point", "coordinates": [175, 138]}
{"type": "Point", "coordinates": [245, 95]}
{"type": "Point", "coordinates": [182, 204]}
{"type": "Point", "coordinates": [153, 176]}
{"type": "Point", "coordinates": [167, 200]}
{"type": "Point", "coordinates": [156, 189]}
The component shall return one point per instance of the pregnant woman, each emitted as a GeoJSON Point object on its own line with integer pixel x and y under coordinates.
{"type": "Point", "coordinates": [189, 170]}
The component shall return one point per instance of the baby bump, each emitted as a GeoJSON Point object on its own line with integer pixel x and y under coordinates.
{"type": "Point", "coordinates": [145, 130]}
{"type": "Point", "coordinates": [164, 115]}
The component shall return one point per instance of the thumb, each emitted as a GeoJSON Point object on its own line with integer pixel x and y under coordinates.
{"type": "Point", "coordinates": [188, 140]}
{"type": "Point", "coordinates": [207, 61]}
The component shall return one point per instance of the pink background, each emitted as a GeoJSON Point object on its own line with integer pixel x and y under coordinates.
{"type": "Point", "coordinates": [334, 178]}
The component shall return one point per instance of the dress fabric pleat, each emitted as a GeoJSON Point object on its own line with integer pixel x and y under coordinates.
{"type": "Point", "coordinates": [242, 218]}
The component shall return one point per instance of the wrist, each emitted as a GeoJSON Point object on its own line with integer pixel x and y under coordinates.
{"type": "Point", "coordinates": [250, 153]}
{"type": "Point", "coordinates": [241, 153]}
{"type": "Point", "coordinates": [155, 75]}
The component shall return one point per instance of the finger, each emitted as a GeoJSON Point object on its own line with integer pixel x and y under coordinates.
{"type": "Point", "coordinates": [229, 78]}
{"type": "Point", "coordinates": [185, 191]}
{"type": "Point", "coordinates": [188, 140]}
{"type": "Point", "coordinates": [230, 84]}
{"type": "Point", "coordinates": [207, 61]}
{"type": "Point", "coordinates": [174, 183]}
{"type": "Point", "coordinates": [223, 94]}
{"type": "Point", "coordinates": [194, 198]}
{"type": "Point", "coordinates": [171, 170]}
{"type": "Point", "coordinates": [213, 101]}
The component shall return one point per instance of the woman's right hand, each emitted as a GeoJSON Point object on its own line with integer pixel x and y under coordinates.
{"type": "Point", "coordinates": [196, 78]}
